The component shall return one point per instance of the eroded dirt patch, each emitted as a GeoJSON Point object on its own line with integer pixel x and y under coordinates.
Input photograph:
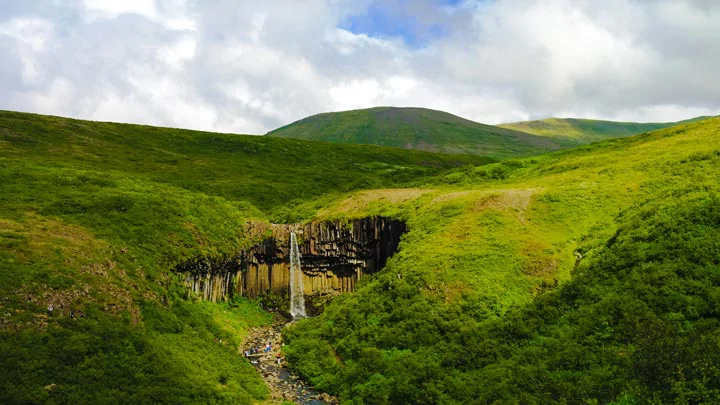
{"type": "Point", "coordinates": [517, 200]}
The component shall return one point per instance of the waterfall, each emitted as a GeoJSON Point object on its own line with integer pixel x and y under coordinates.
{"type": "Point", "coordinates": [297, 298]}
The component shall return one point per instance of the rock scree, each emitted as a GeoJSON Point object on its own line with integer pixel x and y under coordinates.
{"type": "Point", "coordinates": [282, 383]}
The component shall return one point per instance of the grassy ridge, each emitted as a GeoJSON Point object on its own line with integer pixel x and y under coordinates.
{"type": "Point", "coordinates": [585, 131]}
{"type": "Point", "coordinates": [93, 216]}
{"type": "Point", "coordinates": [267, 172]}
{"type": "Point", "coordinates": [455, 305]}
{"type": "Point", "coordinates": [416, 128]}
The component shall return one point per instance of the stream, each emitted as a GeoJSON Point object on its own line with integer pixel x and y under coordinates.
{"type": "Point", "coordinates": [283, 384]}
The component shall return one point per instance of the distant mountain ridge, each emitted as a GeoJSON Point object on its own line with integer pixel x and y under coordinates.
{"type": "Point", "coordinates": [586, 130]}
{"type": "Point", "coordinates": [417, 128]}
{"type": "Point", "coordinates": [438, 131]}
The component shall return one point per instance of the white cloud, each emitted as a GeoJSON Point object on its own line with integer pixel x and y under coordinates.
{"type": "Point", "coordinates": [114, 8]}
{"type": "Point", "coordinates": [174, 16]}
{"type": "Point", "coordinates": [358, 93]}
{"type": "Point", "coordinates": [31, 36]}
{"type": "Point", "coordinates": [50, 101]}
{"type": "Point", "coordinates": [251, 66]}
{"type": "Point", "coordinates": [33, 32]}
{"type": "Point", "coordinates": [670, 113]}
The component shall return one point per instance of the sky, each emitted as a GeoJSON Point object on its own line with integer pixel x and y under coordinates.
{"type": "Point", "coordinates": [249, 66]}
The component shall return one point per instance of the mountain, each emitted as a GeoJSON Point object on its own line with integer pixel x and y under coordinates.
{"type": "Point", "coordinates": [586, 131]}
{"type": "Point", "coordinates": [417, 128]}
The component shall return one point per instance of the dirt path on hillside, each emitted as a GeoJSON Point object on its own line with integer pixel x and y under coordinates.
{"type": "Point", "coordinates": [283, 384]}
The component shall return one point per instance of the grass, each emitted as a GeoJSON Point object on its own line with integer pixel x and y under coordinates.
{"type": "Point", "coordinates": [540, 207]}
{"type": "Point", "coordinates": [484, 243]}
{"type": "Point", "coordinates": [101, 245]}
{"type": "Point", "coordinates": [417, 128]}
{"type": "Point", "coordinates": [180, 354]}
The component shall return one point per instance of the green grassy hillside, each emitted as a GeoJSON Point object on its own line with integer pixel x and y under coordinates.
{"type": "Point", "coordinates": [93, 217]}
{"type": "Point", "coordinates": [416, 128]}
{"type": "Point", "coordinates": [584, 276]}
{"type": "Point", "coordinates": [585, 131]}
{"type": "Point", "coordinates": [263, 171]}
{"type": "Point", "coordinates": [587, 275]}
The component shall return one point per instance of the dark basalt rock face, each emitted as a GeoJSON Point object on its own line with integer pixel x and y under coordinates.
{"type": "Point", "coordinates": [335, 255]}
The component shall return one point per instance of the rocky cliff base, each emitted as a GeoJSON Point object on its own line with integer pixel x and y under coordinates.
{"type": "Point", "coordinates": [284, 386]}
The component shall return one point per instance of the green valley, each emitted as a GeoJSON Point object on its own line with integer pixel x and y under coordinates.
{"type": "Point", "coordinates": [584, 275]}
{"type": "Point", "coordinates": [329, 202]}
{"type": "Point", "coordinates": [93, 219]}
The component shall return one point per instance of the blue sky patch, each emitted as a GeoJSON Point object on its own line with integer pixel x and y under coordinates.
{"type": "Point", "coordinates": [416, 23]}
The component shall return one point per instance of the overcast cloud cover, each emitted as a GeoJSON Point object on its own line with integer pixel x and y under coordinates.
{"type": "Point", "coordinates": [249, 66]}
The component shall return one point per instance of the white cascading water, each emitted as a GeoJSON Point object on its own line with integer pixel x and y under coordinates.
{"type": "Point", "coordinates": [297, 299]}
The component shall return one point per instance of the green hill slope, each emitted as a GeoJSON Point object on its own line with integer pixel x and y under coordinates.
{"type": "Point", "coordinates": [264, 171]}
{"type": "Point", "coordinates": [94, 217]}
{"type": "Point", "coordinates": [416, 128]}
{"type": "Point", "coordinates": [584, 276]}
{"type": "Point", "coordinates": [586, 131]}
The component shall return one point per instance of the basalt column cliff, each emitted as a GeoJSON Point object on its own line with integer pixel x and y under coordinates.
{"type": "Point", "coordinates": [334, 256]}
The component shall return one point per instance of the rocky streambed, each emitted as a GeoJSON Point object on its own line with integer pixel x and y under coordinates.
{"type": "Point", "coordinates": [283, 384]}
